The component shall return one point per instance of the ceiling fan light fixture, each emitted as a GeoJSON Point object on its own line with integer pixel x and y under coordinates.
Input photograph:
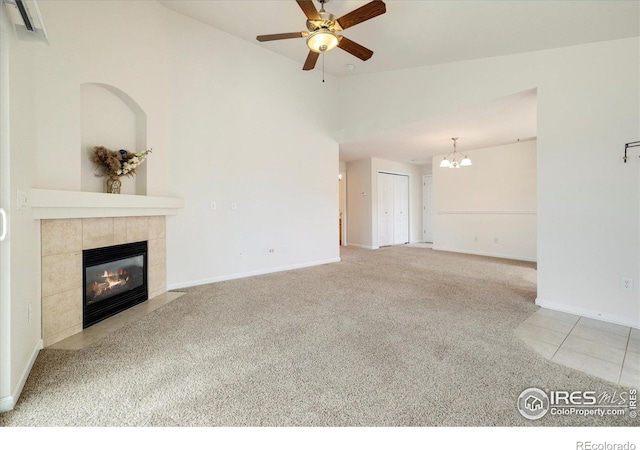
{"type": "Point", "coordinates": [323, 27]}
{"type": "Point", "coordinates": [322, 40]}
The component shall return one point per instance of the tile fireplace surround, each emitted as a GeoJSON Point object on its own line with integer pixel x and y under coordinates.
{"type": "Point", "coordinates": [63, 241]}
{"type": "Point", "coordinates": [70, 223]}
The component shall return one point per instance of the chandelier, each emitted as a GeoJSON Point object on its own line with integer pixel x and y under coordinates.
{"type": "Point", "coordinates": [455, 160]}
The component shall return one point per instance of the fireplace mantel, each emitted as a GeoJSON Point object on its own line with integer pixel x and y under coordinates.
{"type": "Point", "coordinates": [53, 204]}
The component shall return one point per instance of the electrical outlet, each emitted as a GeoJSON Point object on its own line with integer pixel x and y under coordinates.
{"type": "Point", "coordinates": [495, 240]}
{"type": "Point", "coordinates": [234, 206]}
{"type": "Point", "coordinates": [214, 206]}
{"type": "Point", "coordinates": [626, 284]}
{"type": "Point", "coordinates": [271, 250]}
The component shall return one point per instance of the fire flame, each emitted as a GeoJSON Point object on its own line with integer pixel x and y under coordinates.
{"type": "Point", "coordinates": [111, 280]}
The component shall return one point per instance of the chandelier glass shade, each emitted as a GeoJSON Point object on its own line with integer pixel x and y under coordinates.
{"type": "Point", "coordinates": [322, 40]}
{"type": "Point", "coordinates": [455, 160]}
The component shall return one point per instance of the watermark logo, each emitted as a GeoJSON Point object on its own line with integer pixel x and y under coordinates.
{"type": "Point", "coordinates": [588, 445]}
{"type": "Point", "coordinates": [533, 403]}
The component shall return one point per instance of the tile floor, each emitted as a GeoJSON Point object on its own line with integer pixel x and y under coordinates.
{"type": "Point", "coordinates": [98, 331]}
{"type": "Point", "coordinates": [601, 349]}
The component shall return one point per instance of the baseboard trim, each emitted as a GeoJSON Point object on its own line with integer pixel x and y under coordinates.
{"type": "Point", "coordinates": [586, 312]}
{"type": "Point", "coordinates": [9, 402]}
{"type": "Point", "coordinates": [6, 403]}
{"type": "Point", "coordinates": [492, 255]}
{"type": "Point", "coordinates": [236, 276]}
{"type": "Point", "coordinates": [368, 247]}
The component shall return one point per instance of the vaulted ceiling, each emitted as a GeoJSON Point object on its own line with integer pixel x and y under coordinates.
{"type": "Point", "coordinates": [426, 32]}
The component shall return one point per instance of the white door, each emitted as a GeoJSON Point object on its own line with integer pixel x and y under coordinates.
{"type": "Point", "coordinates": [427, 208]}
{"type": "Point", "coordinates": [385, 209]}
{"type": "Point", "coordinates": [400, 209]}
{"type": "Point", "coordinates": [393, 209]}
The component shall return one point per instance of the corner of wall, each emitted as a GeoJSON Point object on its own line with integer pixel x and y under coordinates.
{"type": "Point", "coordinates": [8, 402]}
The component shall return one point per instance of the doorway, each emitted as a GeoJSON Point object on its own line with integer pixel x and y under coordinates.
{"type": "Point", "coordinates": [342, 208]}
{"type": "Point", "coordinates": [427, 209]}
{"type": "Point", "coordinates": [393, 209]}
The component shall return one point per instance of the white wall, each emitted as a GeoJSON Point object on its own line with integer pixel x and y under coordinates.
{"type": "Point", "coordinates": [90, 42]}
{"type": "Point", "coordinates": [359, 203]}
{"type": "Point", "coordinates": [242, 132]}
{"type": "Point", "coordinates": [227, 121]}
{"type": "Point", "coordinates": [588, 200]}
{"type": "Point", "coordinates": [223, 125]}
{"type": "Point", "coordinates": [121, 44]}
{"type": "Point", "coordinates": [105, 121]}
{"type": "Point", "coordinates": [5, 189]}
{"type": "Point", "coordinates": [342, 200]}
{"type": "Point", "coordinates": [488, 208]}
{"type": "Point", "coordinates": [21, 280]}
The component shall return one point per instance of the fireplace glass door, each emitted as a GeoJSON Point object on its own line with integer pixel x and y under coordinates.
{"type": "Point", "coordinates": [115, 278]}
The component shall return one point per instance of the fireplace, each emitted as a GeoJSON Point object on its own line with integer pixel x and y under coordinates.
{"type": "Point", "coordinates": [114, 279]}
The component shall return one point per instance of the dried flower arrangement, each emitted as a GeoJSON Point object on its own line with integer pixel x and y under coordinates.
{"type": "Point", "coordinates": [117, 163]}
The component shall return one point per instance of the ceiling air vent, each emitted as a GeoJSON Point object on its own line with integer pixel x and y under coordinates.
{"type": "Point", "coordinates": [27, 20]}
{"type": "Point", "coordinates": [25, 15]}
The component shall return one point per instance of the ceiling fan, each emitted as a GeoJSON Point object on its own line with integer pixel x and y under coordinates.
{"type": "Point", "coordinates": [323, 27]}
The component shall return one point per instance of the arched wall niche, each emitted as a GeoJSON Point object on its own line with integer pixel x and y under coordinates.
{"type": "Point", "coordinates": [111, 118]}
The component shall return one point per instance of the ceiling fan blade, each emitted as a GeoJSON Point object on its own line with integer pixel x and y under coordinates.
{"type": "Point", "coordinates": [309, 9]}
{"type": "Point", "coordinates": [275, 37]}
{"type": "Point", "coordinates": [354, 48]}
{"type": "Point", "coordinates": [310, 63]}
{"type": "Point", "coordinates": [366, 12]}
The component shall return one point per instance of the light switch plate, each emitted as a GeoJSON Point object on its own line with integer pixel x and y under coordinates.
{"type": "Point", "coordinates": [22, 201]}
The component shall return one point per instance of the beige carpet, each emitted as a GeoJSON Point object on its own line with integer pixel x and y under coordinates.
{"type": "Point", "coordinates": [396, 337]}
